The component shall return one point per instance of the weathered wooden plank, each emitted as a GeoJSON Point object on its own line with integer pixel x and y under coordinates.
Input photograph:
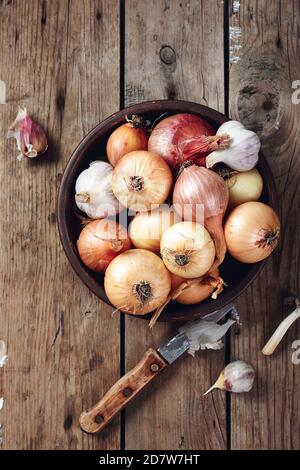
{"type": "Point", "coordinates": [54, 59]}
{"type": "Point", "coordinates": [264, 63]}
{"type": "Point", "coordinates": [174, 50]}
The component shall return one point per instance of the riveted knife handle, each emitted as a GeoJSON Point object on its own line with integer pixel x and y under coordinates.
{"type": "Point", "coordinates": [122, 392]}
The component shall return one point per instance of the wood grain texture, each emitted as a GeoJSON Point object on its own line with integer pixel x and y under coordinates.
{"type": "Point", "coordinates": [264, 62]}
{"type": "Point", "coordinates": [165, 57]}
{"type": "Point", "coordinates": [123, 392]}
{"type": "Point", "coordinates": [54, 59]}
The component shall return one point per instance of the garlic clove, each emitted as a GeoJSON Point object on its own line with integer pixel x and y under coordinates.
{"type": "Point", "coordinates": [237, 377]}
{"type": "Point", "coordinates": [281, 330]}
{"type": "Point", "coordinates": [30, 136]}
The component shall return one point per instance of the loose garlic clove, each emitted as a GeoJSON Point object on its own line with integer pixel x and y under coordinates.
{"type": "Point", "coordinates": [281, 330]}
{"type": "Point", "coordinates": [237, 377]}
{"type": "Point", "coordinates": [30, 136]}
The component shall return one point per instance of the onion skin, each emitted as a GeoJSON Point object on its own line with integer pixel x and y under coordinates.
{"type": "Point", "coordinates": [195, 293]}
{"type": "Point", "coordinates": [100, 241]}
{"type": "Point", "coordinates": [252, 232]}
{"type": "Point", "coordinates": [206, 194]}
{"type": "Point", "coordinates": [147, 228]}
{"type": "Point", "coordinates": [123, 140]}
{"type": "Point", "coordinates": [187, 249]}
{"type": "Point", "coordinates": [134, 268]}
{"type": "Point", "coordinates": [141, 180]}
{"type": "Point", "coordinates": [183, 137]}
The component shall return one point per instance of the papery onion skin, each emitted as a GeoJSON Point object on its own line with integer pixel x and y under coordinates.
{"type": "Point", "coordinates": [123, 140]}
{"type": "Point", "coordinates": [93, 191]}
{"type": "Point", "coordinates": [147, 228]}
{"type": "Point", "coordinates": [187, 249]}
{"type": "Point", "coordinates": [244, 186]}
{"type": "Point", "coordinates": [183, 137]}
{"type": "Point", "coordinates": [252, 232]}
{"type": "Point", "coordinates": [137, 282]}
{"type": "Point", "coordinates": [100, 241]}
{"type": "Point", "coordinates": [141, 180]}
{"type": "Point", "coordinates": [203, 196]}
{"type": "Point", "coordinates": [195, 293]}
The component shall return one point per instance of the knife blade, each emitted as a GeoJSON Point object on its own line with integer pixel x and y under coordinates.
{"type": "Point", "coordinates": [192, 336]}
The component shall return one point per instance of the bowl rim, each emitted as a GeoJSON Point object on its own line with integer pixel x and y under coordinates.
{"type": "Point", "coordinates": [118, 118]}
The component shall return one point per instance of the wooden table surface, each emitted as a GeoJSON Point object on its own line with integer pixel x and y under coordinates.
{"type": "Point", "coordinates": [73, 63]}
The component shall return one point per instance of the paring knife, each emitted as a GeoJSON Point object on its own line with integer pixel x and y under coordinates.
{"type": "Point", "coordinates": [154, 361]}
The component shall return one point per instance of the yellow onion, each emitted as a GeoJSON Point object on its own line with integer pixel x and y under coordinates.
{"type": "Point", "coordinates": [243, 187]}
{"type": "Point", "coordinates": [187, 249]}
{"type": "Point", "coordinates": [201, 195]}
{"type": "Point", "coordinates": [252, 232]}
{"type": "Point", "coordinates": [141, 180]}
{"type": "Point", "coordinates": [147, 228]}
{"type": "Point", "coordinates": [100, 242]}
{"type": "Point", "coordinates": [126, 138]}
{"type": "Point", "coordinates": [197, 292]}
{"type": "Point", "coordinates": [137, 282]}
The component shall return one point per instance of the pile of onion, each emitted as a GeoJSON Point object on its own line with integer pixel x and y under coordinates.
{"type": "Point", "coordinates": [177, 250]}
{"type": "Point", "coordinates": [100, 242]}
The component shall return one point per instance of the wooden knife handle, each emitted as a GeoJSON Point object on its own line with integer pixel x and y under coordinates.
{"type": "Point", "coordinates": [122, 392]}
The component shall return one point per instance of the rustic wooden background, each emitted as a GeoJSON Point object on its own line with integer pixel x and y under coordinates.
{"type": "Point", "coordinates": [72, 63]}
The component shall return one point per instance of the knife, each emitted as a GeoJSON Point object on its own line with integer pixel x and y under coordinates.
{"type": "Point", "coordinates": [153, 363]}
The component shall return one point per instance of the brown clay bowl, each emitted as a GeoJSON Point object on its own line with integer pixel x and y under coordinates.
{"type": "Point", "coordinates": [237, 275]}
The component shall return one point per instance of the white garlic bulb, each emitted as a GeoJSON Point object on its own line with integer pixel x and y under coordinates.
{"type": "Point", "coordinates": [93, 191]}
{"type": "Point", "coordinates": [237, 377]}
{"type": "Point", "coordinates": [243, 149]}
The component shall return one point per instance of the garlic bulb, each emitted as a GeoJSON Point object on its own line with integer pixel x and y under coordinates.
{"type": "Point", "coordinates": [242, 153]}
{"type": "Point", "coordinates": [237, 377]}
{"type": "Point", "coordinates": [94, 194]}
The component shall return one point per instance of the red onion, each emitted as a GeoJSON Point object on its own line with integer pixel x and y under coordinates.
{"type": "Point", "coordinates": [204, 195]}
{"type": "Point", "coordinates": [184, 137]}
